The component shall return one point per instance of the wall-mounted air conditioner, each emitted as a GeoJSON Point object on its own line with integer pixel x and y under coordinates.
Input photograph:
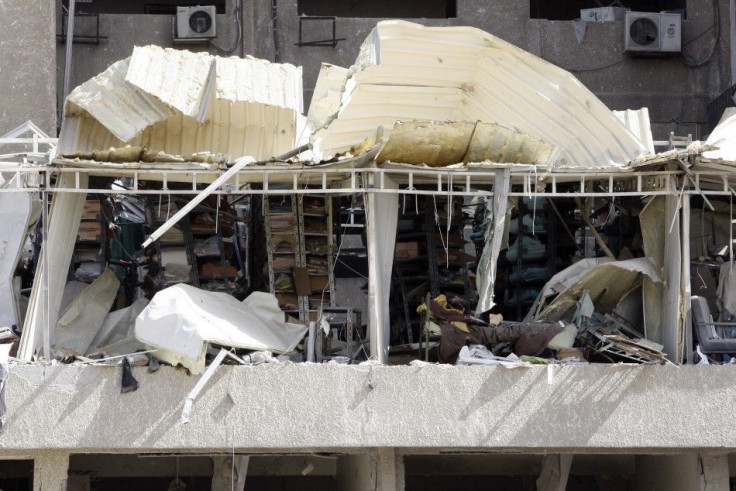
{"type": "Point", "coordinates": [195, 23]}
{"type": "Point", "coordinates": [647, 32]}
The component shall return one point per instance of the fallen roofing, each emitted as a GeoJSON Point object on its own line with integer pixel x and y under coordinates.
{"type": "Point", "coordinates": [182, 103]}
{"type": "Point", "coordinates": [409, 72]}
{"type": "Point", "coordinates": [723, 139]}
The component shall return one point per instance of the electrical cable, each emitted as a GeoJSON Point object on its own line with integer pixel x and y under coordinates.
{"type": "Point", "coordinates": [239, 37]}
{"type": "Point", "coordinates": [688, 60]}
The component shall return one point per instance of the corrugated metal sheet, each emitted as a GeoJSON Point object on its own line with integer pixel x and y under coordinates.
{"type": "Point", "coordinates": [181, 79]}
{"type": "Point", "coordinates": [410, 72]}
{"type": "Point", "coordinates": [244, 106]}
{"type": "Point", "coordinates": [637, 122]}
{"type": "Point", "coordinates": [108, 98]}
{"type": "Point", "coordinates": [724, 138]}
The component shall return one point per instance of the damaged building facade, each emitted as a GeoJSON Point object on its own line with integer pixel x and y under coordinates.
{"type": "Point", "coordinates": [388, 256]}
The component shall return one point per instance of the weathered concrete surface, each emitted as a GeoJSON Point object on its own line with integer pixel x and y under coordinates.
{"type": "Point", "coordinates": [50, 470]}
{"type": "Point", "coordinates": [27, 65]}
{"type": "Point", "coordinates": [302, 407]}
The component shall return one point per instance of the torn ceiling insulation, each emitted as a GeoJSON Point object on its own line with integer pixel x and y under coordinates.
{"type": "Point", "coordinates": [409, 72]}
{"type": "Point", "coordinates": [184, 103]}
{"type": "Point", "coordinates": [448, 143]}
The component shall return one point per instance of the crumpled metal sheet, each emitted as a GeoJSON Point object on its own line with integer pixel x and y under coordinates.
{"type": "Point", "coordinates": [606, 284]}
{"type": "Point", "coordinates": [182, 103]}
{"type": "Point", "coordinates": [410, 72]}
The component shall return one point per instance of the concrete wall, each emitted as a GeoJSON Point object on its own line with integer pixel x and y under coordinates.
{"type": "Point", "coordinates": [307, 407]}
{"type": "Point", "coordinates": [27, 64]}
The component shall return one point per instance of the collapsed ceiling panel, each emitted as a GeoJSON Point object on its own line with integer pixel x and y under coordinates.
{"type": "Point", "coordinates": [406, 72]}
{"type": "Point", "coordinates": [183, 103]}
{"type": "Point", "coordinates": [181, 79]}
{"type": "Point", "coordinates": [120, 108]}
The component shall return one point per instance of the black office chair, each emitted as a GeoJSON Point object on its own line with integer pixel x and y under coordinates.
{"type": "Point", "coordinates": [707, 331]}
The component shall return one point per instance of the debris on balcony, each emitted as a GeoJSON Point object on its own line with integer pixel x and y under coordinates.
{"type": "Point", "coordinates": [445, 164]}
{"type": "Point", "coordinates": [181, 322]}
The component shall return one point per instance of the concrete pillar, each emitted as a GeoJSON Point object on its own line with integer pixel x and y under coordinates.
{"type": "Point", "coordinates": [356, 472]}
{"type": "Point", "coordinates": [229, 475]}
{"type": "Point", "coordinates": [714, 475]}
{"type": "Point", "coordinates": [380, 471]}
{"type": "Point", "coordinates": [681, 473]}
{"type": "Point", "coordinates": [50, 471]}
{"type": "Point", "coordinates": [555, 472]}
{"type": "Point", "coordinates": [390, 470]}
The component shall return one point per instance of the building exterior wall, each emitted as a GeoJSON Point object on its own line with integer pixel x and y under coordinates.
{"type": "Point", "coordinates": [27, 65]}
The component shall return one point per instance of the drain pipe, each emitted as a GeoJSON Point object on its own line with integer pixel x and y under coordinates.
{"type": "Point", "coordinates": [68, 58]}
{"type": "Point", "coordinates": [275, 30]}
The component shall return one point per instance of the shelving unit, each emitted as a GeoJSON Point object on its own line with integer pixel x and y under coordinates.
{"type": "Point", "coordinates": [531, 257]}
{"type": "Point", "coordinates": [204, 242]}
{"type": "Point", "coordinates": [300, 248]}
{"type": "Point", "coordinates": [317, 244]}
{"type": "Point", "coordinates": [430, 258]}
{"type": "Point", "coordinates": [282, 247]}
{"type": "Point", "coordinates": [90, 251]}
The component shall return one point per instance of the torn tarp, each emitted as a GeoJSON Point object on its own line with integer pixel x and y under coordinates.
{"type": "Point", "coordinates": [606, 284]}
{"type": "Point", "coordinates": [495, 234]}
{"type": "Point", "coordinates": [182, 320]}
{"type": "Point", "coordinates": [525, 338]}
{"type": "Point", "coordinates": [80, 321]}
{"type": "Point", "coordinates": [15, 217]}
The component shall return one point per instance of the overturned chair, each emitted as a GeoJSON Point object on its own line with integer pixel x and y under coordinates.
{"type": "Point", "coordinates": [707, 331]}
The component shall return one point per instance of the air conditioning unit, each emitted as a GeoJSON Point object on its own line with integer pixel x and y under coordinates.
{"type": "Point", "coordinates": [195, 23]}
{"type": "Point", "coordinates": [653, 32]}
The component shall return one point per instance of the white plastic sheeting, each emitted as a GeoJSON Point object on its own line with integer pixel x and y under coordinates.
{"type": "Point", "coordinates": [182, 102]}
{"type": "Point", "coordinates": [45, 299]}
{"type": "Point", "coordinates": [79, 322]}
{"type": "Point", "coordinates": [381, 216]}
{"type": "Point", "coordinates": [637, 121]}
{"type": "Point", "coordinates": [182, 320]}
{"type": "Point", "coordinates": [406, 72]}
{"type": "Point", "coordinates": [15, 216]}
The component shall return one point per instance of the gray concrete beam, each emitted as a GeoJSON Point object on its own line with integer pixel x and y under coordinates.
{"type": "Point", "coordinates": [303, 408]}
